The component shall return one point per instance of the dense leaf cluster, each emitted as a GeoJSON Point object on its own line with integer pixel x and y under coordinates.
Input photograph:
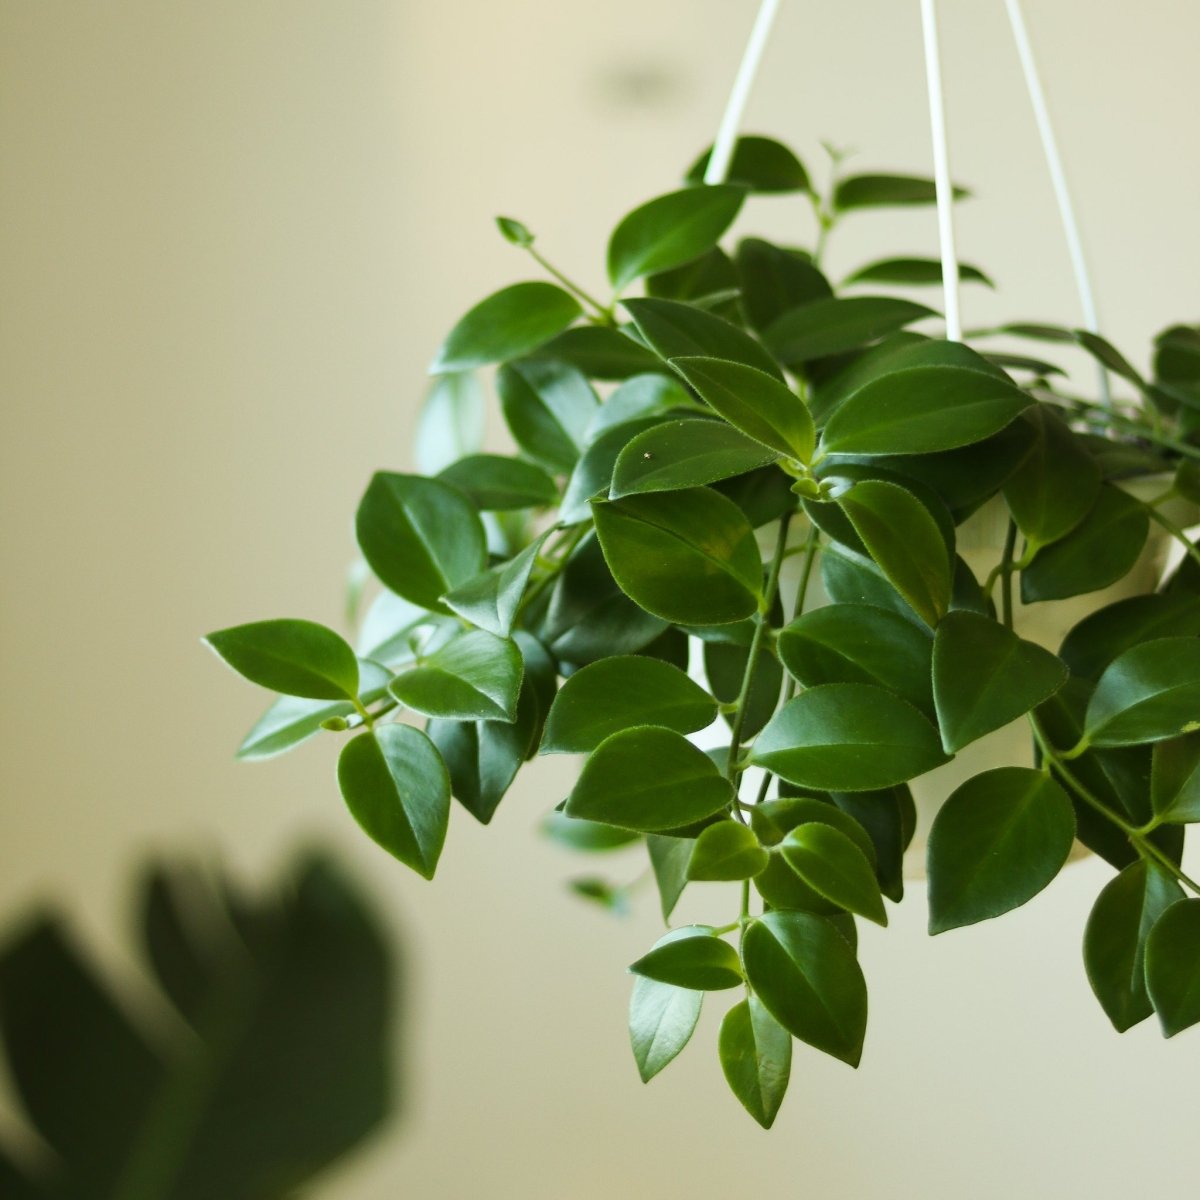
{"type": "Point", "coordinates": [774, 472]}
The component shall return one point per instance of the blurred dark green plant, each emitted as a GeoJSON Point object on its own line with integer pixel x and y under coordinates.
{"type": "Point", "coordinates": [673, 451]}
{"type": "Point", "coordinates": [274, 1061]}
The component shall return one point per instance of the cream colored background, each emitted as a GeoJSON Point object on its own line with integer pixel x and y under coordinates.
{"type": "Point", "coordinates": [233, 232]}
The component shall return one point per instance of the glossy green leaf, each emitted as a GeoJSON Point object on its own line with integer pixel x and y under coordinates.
{"type": "Point", "coordinates": [912, 272]}
{"type": "Point", "coordinates": [675, 330]}
{"type": "Point", "coordinates": [1097, 552]}
{"type": "Point", "coordinates": [685, 454]}
{"type": "Point", "coordinates": [398, 790]}
{"type": "Point", "coordinates": [725, 669]}
{"type": "Point", "coordinates": [904, 539]}
{"type": "Point", "coordinates": [850, 578]}
{"type": "Point", "coordinates": [477, 676]}
{"type": "Point", "coordinates": [759, 164]}
{"type": "Point", "coordinates": [548, 407]}
{"type": "Point", "coordinates": [886, 191]}
{"type": "Point", "coordinates": [662, 1019]}
{"type": "Point", "coordinates": [858, 643]}
{"type": "Point", "coordinates": [616, 693]}
{"type": "Point", "coordinates": [773, 820]}
{"type": "Point", "coordinates": [491, 600]}
{"type": "Point", "coordinates": [848, 737]}
{"type": "Point", "coordinates": [639, 399]}
{"type": "Point", "coordinates": [421, 537]}
{"type": "Point", "coordinates": [831, 864]}
{"type": "Point", "coordinates": [808, 979]}
{"type": "Point", "coordinates": [726, 850]}
{"type": "Point", "coordinates": [587, 837]}
{"type": "Point", "coordinates": [1149, 693]}
{"type": "Point", "coordinates": [599, 352]}
{"type": "Point", "coordinates": [919, 410]}
{"type": "Point", "coordinates": [1105, 353]}
{"type": "Point", "coordinates": [670, 230]}
{"type": "Point", "coordinates": [292, 720]}
{"type": "Point", "coordinates": [668, 863]}
{"type": "Point", "coordinates": [648, 779]}
{"type": "Point", "coordinates": [1107, 633]}
{"type": "Point", "coordinates": [756, 1057]}
{"type": "Point", "coordinates": [688, 557]}
{"type": "Point", "coordinates": [451, 422]}
{"type": "Point", "coordinates": [592, 474]}
{"type": "Point", "coordinates": [696, 959]}
{"type": "Point", "coordinates": [889, 818]}
{"type": "Point", "coordinates": [1055, 487]}
{"type": "Point", "coordinates": [709, 281]}
{"type": "Point", "coordinates": [1175, 780]}
{"type": "Point", "coordinates": [824, 327]}
{"type": "Point", "coordinates": [998, 840]}
{"type": "Point", "coordinates": [494, 483]}
{"type": "Point", "coordinates": [297, 658]}
{"type": "Point", "coordinates": [1114, 943]}
{"type": "Point", "coordinates": [756, 403]}
{"type": "Point", "coordinates": [509, 323]}
{"type": "Point", "coordinates": [985, 676]}
{"type": "Point", "coordinates": [1173, 967]}
{"type": "Point", "coordinates": [1023, 362]}
{"type": "Point", "coordinates": [775, 279]}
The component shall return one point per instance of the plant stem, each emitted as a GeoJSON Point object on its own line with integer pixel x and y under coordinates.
{"type": "Point", "coordinates": [1006, 574]}
{"type": "Point", "coordinates": [1175, 531]}
{"type": "Point", "coordinates": [603, 312]}
{"type": "Point", "coordinates": [1141, 843]}
{"type": "Point", "coordinates": [1106, 416]}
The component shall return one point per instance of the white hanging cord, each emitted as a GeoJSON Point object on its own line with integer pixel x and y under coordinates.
{"type": "Point", "coordinates": [941, 170]}
{"type": "Point", "coordinates": [722, 151]}
{"type": "Point", "coordinates": [1058, 177]}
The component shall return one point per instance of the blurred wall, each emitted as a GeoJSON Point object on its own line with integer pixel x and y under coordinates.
{"type": "Point", "coordinates": [232, 234]}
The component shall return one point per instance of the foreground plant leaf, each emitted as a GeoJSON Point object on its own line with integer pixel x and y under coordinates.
{"type": "Point", "coordinates": [662, 1019]}
{"type": "Point", "coordinates": [1108, 632]}
{"type": "Point", "coordinates": [808, 979]}
{"type": "Point", "coordinates": [756, 1057]}
{"type": "Point", "coordinates": [684, 454]}
{"type": "Point", "coordinates": [1173, 967]}
{"type": "Point", "coordinates": [297, 658]}
{"type": "Point", "coordinates": [760, 164]}
{"type": "Point", "coordinates": [692, 957]}
{"type": "Point", "coordinates": [675, 330]}
{"type": "Point", "coordinates": [726, 850]}
{"type": "Point", "coordinates": [491, 600]}
{"type": "Point", "coordinates": [826, 327]}
{"type": "Point", "coordinates": [997, 841]}
{"type": "Point", "coordinates": [289, 999]}
{"type": "Point", "coordinates": [648, 779]}
{"type": "Point", "coordinates": [1149, 693]}
{"type": "Point", "coordinates": [494, 483]}
{"type": "Point", "coordinates": [548, 408]}
{"type": "Point", "coordinates": [475, 677]}
{"type": "Point", "coordinates": [831, 864]}
{"type": "Point", "coordinates": [1175, 780]}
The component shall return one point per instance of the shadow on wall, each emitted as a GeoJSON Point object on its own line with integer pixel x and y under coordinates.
{"type": "Point", "coordinates": [269, 1057]}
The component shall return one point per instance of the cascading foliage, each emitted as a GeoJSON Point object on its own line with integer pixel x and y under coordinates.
{"type": "Point", "coordinates": [674, 449]}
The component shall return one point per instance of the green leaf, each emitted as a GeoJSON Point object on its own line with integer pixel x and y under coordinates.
{"type": "Point", "coordinates": [753, 401]}
{"type": "Point", "coordinates": [912, 272]}
{"type": "Point", "coordinates": [824, 327]}
{"type": "Point", "coordinates": [292, 720]}
{"type": "Point", "coordinates": [587, 837]}
{"type": "Point", "coordinates": [850, 578]}
{"type": "Point", "coordinates": [599, 352]}
{"type": "Point", "coordinates": [685, 454]}
{"type": "Point", "coordinates": [451, 422]}
{"type": "Point", "coordinates": [832, 865]}
{"type": "Point", "coordinates": [1173, 967]}
{"type": "Point", "coordinates": [297, 658]}
{"type": "Point", "coordinates": [1097, 552]}
{"type": "Point", "coordinates": [668, 861]}
{"type": "Point", "coordinates": [725, 669]}
{"type": "Point", "coordinates": [648, 779]}
{"type": "Point", "coordinates": [858, 643]}
{"type": "Point", "coordinates": [1114, 943]}
{"type": "Point", "coordinates": [998, 840]}
{"type": "Point", "coordinates": [670, 230]}
{"type": "Point", "coordinates": [662, 1019]}
{"type": "Point", "coordinates": [919, 410]}
{"type": "Point", "coordinates": [675, 330]}
{"type": "Point", "coordinates": [1103, 635]}
{"type": "Point", "coordinates": [773, 820]}
{"type": "Point", "coordinates": [491, 600]}
{"type": "Point", "coordinates": [694, 958]}
{"type": "Point", "coordinates": [760, 164]}
{"type": "Point", "coordinates": [1175, 780]}
{"type": "Point", "coordinates": [1105, 353]}
{"type": "Point", "coordinates": [710, 280]}
{"type": "Point", "coordinates": [398, 790]}
{"type": "Point", "coordinates": [494, 483]}
{"type": "Point", "coordinates": [886, 191]}
{"type": "Point", "coordinates": [592, 476]}
{"type": "Point", "coordinates": [548, 408]}
{"type": "Point", "coordinates": [808, 979]}
{"type": "Point", "coordinates": [688, 557]}
{"type": "Point", "coordinates": [848, 737]}
{"type": "Point", "coordinates": [904, 539]}
{"type": "Point", "coordinates": [775, 279]}
{"type": "Point", "coordinates": [616, 693]}
{"type": "Point", "coordinates": [985, 676]}
{"type": "Point", "coordinates": [421, 537]}
{"type": "Point", "coordinates": [477, 676]}
{"type": "Point", "coordinates": [638, 399]}
{"type": "Point", "coordinates": [889, 818]}
{"type": "Point", "coordinates": [509, 323]}
{"type": "Point", "coordinates": [1057, 484]}
{"type": "Point", "coordinates": [1149, 693]}
{"type": "Point", "coordinates": [756, 1057]}
{"type": "Point", "coordinates": [726, 850]}
{"type": "Point", "coordinates": [514, 231]}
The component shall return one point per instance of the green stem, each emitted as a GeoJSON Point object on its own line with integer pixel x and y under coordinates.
{"type": "Point", "coordinates": [603, 312]}
{"type": "Point", "coordinates": [1006, 574]}
{"type": "Point", "coordinates": [1136, 836]}
{"type": "Point", "coordinates": [1106, 416]}
{"type": "Point", "coordinates": [368, 719]}
{"type": "Point", "coordinates": [1175, 531]}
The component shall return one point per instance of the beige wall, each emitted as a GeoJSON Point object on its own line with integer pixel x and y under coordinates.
{"type": "Point", "coordinates": [232, 233]}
